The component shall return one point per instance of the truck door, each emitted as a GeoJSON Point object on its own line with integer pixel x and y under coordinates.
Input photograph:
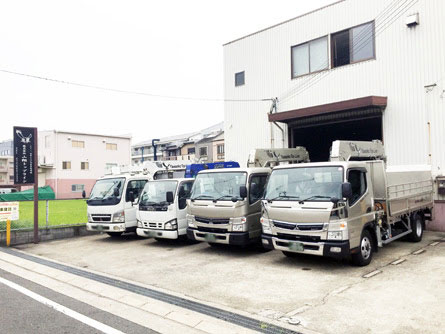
{"type": "Point", "coordinates": [184, 192]}
{"type": "Point", "coordinates": [255, 194]}
{"type": "Point", "coordinates": [360, 205]}
{"type": "Point", "coordinates": [136, 186]}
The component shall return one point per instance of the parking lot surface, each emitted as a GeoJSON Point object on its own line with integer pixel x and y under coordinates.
{"type": "Point", "coordinates": [401, 291]}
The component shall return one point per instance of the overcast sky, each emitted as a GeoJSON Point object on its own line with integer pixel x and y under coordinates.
{"type": "Point", "coordinates": [161, 47]}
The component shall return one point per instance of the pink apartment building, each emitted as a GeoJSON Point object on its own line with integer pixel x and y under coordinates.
{"type": "Point", "coordinates": [70, 162]}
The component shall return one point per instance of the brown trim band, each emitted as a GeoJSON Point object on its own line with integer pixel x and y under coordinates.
{"type": "Point", "coordinates": [359, 103]}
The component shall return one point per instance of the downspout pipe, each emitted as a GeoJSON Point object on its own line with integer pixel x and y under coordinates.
{"type": "Point", "coordinates": [272, 137]}
{"type": "Point", "coordinates": [153, 143]}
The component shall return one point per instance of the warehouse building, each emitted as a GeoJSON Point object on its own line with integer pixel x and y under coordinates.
{"type": "Point", "coordinates": [353, 70]}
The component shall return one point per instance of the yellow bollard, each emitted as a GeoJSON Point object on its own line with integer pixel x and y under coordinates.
{"type": "Point", "coordinates": [8, 232]}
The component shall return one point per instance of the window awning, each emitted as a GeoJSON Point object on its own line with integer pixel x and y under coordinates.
{"type": "Point", "coordinates": [355, 105]}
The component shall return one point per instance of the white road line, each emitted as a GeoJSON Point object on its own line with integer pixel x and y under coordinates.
{"type": "Point", "coordinates": [73, 314]}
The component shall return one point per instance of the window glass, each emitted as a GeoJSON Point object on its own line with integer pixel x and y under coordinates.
{"type": "Point", "coordinates": [84, 165]}
{"type": "Point", "coordinates": [66, 165]}
{"type": "Point", "coordinates": [358, 184]}
{"type": "Point", "coordinates": [239, 79]}
{"type": "Point", "coordinates": [78, 143]}
{"type": "Point", "coordinates": [221, 185]}
{"type": "Point", "coordinates": [111, 146]}
{"type": "Point", "coordinates": [136, 186]}
{"type": "Point", "coordinates": [155, 192]}
{"type": "Point", "coordinates": [318, 54]}
{"type": "Point", "coordinates": [77, 187]}
{"type": "Point", "coordinates": [203, 151]}
{"type": "Point", "coordinates": [260, 183]}
{"type": "Point", "coordinates": [341, 53]}
{"type": "Point", "coordinates": [220, 149]}
{"type": "Point", "coordinates": [362, 42]}
{"type": "Point", "coordinates": [300, 60]}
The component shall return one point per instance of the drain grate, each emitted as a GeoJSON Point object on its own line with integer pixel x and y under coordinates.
{"type": "Point", "coordinates": [240, 320]}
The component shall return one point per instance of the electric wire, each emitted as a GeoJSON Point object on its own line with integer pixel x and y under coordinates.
{"type": "Point", "coordinates": [123, 91]}
{"type": "Point", "coordinates": [379, 28]}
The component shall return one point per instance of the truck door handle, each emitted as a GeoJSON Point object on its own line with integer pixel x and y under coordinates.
{"type": "Point", "coordinates": [368, 210]}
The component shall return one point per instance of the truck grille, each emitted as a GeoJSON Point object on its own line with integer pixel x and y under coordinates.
{"type": "Point", "coordinates": [300, 227]}
{"type": "Point", "coordinates": [101, 218]}
{"type": "Point", "coordinates": [151, 225]}
{"type": "Point", "coordinates": [298, 237]}
{"type": "Point", "coordinates": [212, 220]}
{"type": "Point", "coordinates": [213, 230]}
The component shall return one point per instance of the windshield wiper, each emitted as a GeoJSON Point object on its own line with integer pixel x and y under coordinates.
{"type": "Point", "coordinates": [316, 196]}
{"type": "Point", "coordinates": [282, 196]}
{"type": "Point", "coordinates": [201, 197]}
{"type": "Point", "coordinates": [224, 196]}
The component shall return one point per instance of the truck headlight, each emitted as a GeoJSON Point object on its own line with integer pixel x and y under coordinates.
{"type": "Point", "coordinates": [265, 224]}
{"type": "Point", "coordinates": [171, 225]}
{"type": "Point", "coordinates": [139, 223]}
{"type": "Point", "coordinates": [338, 231]}
{"type": "Point", "coordinates": [238, 224]}
{"type": "Point", "coordinates": [190, 220]}
{"type": "Point", "coordinates": [119, 217]}
{"type": "Point", "coordinates": [90, 219]}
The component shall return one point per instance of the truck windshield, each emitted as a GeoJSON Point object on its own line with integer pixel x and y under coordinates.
{"type": "Point", "coordinates": [103, 192]}
{"type": "Point", "coordinates": [305, 184]}
{"type": "Point", "coordinates": [155, 192]}
{"type": "Point", "coordinates": [221, 186]}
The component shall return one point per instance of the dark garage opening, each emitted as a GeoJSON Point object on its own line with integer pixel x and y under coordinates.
{"type": "Point", "coordinates": [318, 138]}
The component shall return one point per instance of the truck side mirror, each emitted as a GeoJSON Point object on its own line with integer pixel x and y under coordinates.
{"type": "Point", "coordinates": [243, 192]}
{"type": "Point", "coordinates": [84, 194]}
{"type": "Point", "coordinates": [131, 197]}
{"type": "Point", "coordinates": [346, 190]}
{"type": "Point", "coordinates": [116, 192]}
{"type": "Point", "coordinates": [169, 197]}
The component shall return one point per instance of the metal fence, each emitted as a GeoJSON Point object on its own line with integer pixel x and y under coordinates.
{"type": "Point", "coordinates": [52, 213]}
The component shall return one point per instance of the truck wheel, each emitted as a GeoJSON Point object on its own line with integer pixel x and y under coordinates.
{"type": "Point", "coordinates": [114, 234]}
{"type": "Point", "coordinates": [364, 255]}
{"type": "Point", "coordinates": [417, 228]}
{"type": "Point", "coordinates": [290, 254]}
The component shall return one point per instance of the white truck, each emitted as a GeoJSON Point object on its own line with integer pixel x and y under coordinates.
{"type": "Point", "coordinates": [225, 206]}
{"type": "Point", "coordinates": [162, 209]}
{"type": "Point", "coordinates": [112, 204]}
{"type": "Point", "coordinates": [345, 208]}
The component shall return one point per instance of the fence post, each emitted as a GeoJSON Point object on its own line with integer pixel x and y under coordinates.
{"type": "Point", "coordinates": [8, 232]}
{"type": "Point", "coordinates": [47, 213]}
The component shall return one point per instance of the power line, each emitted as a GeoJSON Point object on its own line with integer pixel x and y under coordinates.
{"type": "Point", "coordinates": [123, 91]}
{"type": "Point", "coordinates": [379, 28]}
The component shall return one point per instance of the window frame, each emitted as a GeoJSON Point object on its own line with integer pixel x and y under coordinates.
{"type": "Point", "coordinates": [83, 163]}
{"type": "Point", "coordinates": [309, 57]}
{"type": "Point", "coordinates": [207, 151]}
{"type": "Point", "coordinates": [127, 190]}
{"type": "Point", "coordinates": [76, 185]}
{"type": "Point", "coordinates": [63, 162]}
{"type": "Point", "coordinates": [264, 189]}
{"type": "Point", "coordinates": [374, 57]}
{"type": "Point", "coordinates": [111, 145]}
{"type": "Point", "coordinates": [77, 145]}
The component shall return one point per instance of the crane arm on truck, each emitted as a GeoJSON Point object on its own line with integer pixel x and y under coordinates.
{"type": "Point", "coordinates": [345, 150]}
{"type": "Point", "coordinates": [273, 157]}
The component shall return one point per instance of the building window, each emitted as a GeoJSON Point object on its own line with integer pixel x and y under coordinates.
{"type": "Point", "coordinates": [239, 79]}
{"type": "Point", "coordinates": [78, 143]}
{"type": "Point", "coordinates": [75, 188]}
{"type": "Point", "coordinates": [203, 151]}
{"type": "Point", "coordinates": [84, 165]}
{"type": "Point", "coordinates": [11, 177]}
{"type": "Point", "coordinates": [191, 150]}
{"type": "Point", "coordinates": [112, 147]}
{"type": "Point", "coordinates": [310, 57]}
{"type": "Point", "coordinates": [353, 45]}
{"type": "Point", "coordinates": [220, 149]}
{"type": "Point", "coordinates": [66, 164]}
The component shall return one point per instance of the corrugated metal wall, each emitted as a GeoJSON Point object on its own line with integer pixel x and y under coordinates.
{"type": "Point", "coordinates": [407, 59]}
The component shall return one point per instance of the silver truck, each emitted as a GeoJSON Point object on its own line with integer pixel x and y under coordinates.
{"type": "Point", "coordinates": [345, 208]}
{"type": "Point", "coordinates": [225, 204]}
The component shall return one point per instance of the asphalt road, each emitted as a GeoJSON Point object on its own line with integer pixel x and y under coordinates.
{"type": "Point", "coordinates": [20, 314]}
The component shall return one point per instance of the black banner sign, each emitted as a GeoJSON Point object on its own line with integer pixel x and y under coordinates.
{"type": "Point", "coordinates": [24, 155]}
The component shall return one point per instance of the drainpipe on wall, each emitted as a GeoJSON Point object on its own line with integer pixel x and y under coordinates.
{"type": "Point", "coordinates": [273, 109]}
{"type": "Point", "coordinates": [153, 144]}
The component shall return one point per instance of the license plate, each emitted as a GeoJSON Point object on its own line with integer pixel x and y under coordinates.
{"type": "Point", "coordinates": [296, 246]}
{"type": "Point", "coordinates": [150, 234]}
{"type": "Point", "coordinates": [100, 228]}
{"type": "Point", "coordinates": [210, 237]}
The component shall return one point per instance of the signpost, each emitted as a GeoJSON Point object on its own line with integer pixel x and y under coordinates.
{"type": "Point", "coordinates": [26, 166]}
{"type": "Point", "coordinates": [9, 211]}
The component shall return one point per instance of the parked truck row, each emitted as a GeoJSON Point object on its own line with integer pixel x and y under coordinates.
{"type": "Point", "coordinates": [347, 207]}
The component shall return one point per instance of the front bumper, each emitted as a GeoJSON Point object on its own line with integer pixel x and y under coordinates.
{"type": "Point", "coordinates": [156, 233]}
{"type": "Point", "coordinates": [335, 249]}
{"type": "Point", "coordinates": [106, 227]}
{"type": "Point", "coordinates": [230, 238]}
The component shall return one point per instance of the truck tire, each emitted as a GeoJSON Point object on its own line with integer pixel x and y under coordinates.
{"type": "Point", "coordinates": [114, 234]}
{"type": "Point", "coordinates": [417, 228]}
{"type": "Point", "coordinates": [364, 255]}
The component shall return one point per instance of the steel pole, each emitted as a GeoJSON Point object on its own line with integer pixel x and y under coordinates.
{"type": "Point", "coordinates": [36, 188]}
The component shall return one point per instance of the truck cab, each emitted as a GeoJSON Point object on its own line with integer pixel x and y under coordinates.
{"type": "Point", "coordinates": [113, 202]}
{"type": "Point", "coordinates": [225, 206]}
{"type": "Point", "coordinates": [162, 208]}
